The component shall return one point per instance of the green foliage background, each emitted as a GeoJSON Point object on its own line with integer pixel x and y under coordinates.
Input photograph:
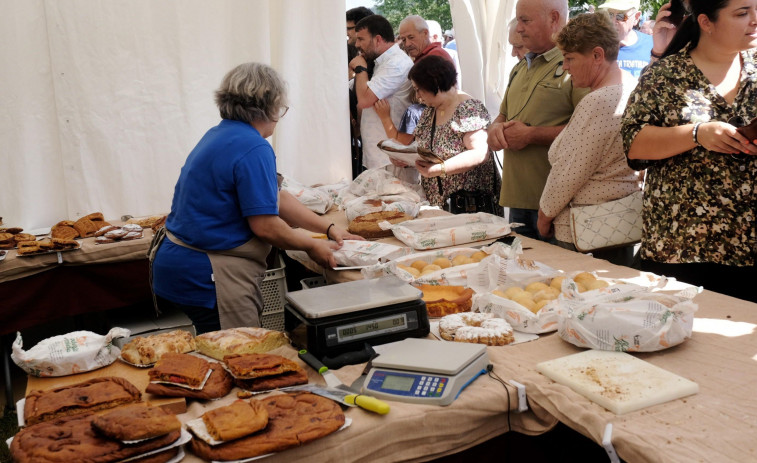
{"type": "Point", "coordinates": [396, 10]}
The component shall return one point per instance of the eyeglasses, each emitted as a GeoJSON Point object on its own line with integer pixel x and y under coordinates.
{"type": "Point", "coordinates": [282, 111]}
{"type": "Point", "coordinates": [622, 17]}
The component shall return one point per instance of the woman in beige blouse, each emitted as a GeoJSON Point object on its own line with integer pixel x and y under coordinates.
{"type": "Point", "coordinates": [588, 161]}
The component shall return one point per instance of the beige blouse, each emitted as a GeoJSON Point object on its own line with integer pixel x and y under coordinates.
{"type": "Point", "coordinates": [588, 161]}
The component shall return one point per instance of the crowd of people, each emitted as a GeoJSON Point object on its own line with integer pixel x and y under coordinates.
{"type": "Point", "coordinates": [593, 107]}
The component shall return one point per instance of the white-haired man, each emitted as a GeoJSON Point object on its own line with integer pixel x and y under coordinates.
{"type": "Point", "coordinates": [416, 40]}
{"type": "Point", "coordinates": [635, 46]}
{"type": "Point", "coordinates": [539, 101]}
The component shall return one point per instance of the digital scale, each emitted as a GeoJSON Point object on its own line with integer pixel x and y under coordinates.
{"type": "Point", "coordinates": [425, 371]}
{"type": "Point", "coordinates": [336, 320]}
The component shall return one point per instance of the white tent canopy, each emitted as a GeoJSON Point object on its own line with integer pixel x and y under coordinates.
{"type": "Point", "coordinates": [102, 100]}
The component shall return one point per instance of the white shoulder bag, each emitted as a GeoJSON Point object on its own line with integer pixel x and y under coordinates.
{"type": "Point", "coordinates": [608, 225]}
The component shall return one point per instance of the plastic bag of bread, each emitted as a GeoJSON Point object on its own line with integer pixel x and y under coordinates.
{"type": "Point", "coordinates": [443, 266]}
{"type": "Point", "coordinates": [362, 253]}
{"type": "Point", "coordinates": [314, 199]}
{"type": "Point", "coordinates": [623, 317]}
{"type": "Point", "coordinates": [379, 182]}
{"type": "Point", "coordinates": [440, 232]}
{"type": "Point", "coordinates": [68, 354]}
{"type": "Point", "coordinates": [408, 202]}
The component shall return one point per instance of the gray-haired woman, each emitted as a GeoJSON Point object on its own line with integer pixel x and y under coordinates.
{"type": "Point", "coordinates": [228, 211]}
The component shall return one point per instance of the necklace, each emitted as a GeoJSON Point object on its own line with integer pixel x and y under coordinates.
{"type": "Point", "coordinates": [442, 108]}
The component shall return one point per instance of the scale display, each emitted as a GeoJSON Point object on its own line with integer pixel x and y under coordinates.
{"type": "Point", "coordinates": [370, 328]}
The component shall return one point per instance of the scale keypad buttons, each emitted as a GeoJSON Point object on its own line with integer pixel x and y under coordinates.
{"type": "Point", "coordinates": [422, 385]}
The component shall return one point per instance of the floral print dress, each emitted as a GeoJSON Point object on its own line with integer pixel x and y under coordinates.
{"type": "Point", "coordinates": [699, 206]}
{"type": "Point", "coordinates": [470, 115]}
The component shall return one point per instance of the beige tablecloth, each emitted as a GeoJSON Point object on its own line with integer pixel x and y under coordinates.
{"type": "Point", "coordinates": [14, 267]}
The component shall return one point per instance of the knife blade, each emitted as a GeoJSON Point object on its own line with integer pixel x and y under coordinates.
{"type": "Point", "coordinates": [352, 397]}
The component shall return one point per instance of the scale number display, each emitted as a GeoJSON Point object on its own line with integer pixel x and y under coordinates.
{"type": "Point", "coordinates": [374, 327]}
{"type": "Point", "coordinates": [408, 384]}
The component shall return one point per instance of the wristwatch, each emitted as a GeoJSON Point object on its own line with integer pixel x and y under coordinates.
{"type": "Point", "coordinates": [359, 69]}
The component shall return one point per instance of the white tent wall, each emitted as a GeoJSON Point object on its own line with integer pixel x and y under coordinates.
{"type": "Point", "coordinates": [483, 50]}
{"type": "Point", "coordinates": [103, 100]}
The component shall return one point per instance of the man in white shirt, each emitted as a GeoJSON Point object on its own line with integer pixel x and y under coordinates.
{"type": "Point", "coordinates": [375, 40]}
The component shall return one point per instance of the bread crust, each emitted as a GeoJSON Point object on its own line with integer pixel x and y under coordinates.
{"type": "Point", "coordinates": [267, 383]}
{"type": "Point", "coordinates": [367, 225]}
{"type": "Point", "coordinates": [250, 366]}
{"type": "Point", "coordinates": [90, 395]}
{"type": "Point", "coordinates": [183, 369]}
{"type": "Point", "coordinates": [73, 439]}
{"type": "Point", "coordinates": [149, 349]}
{"type": "Point", "coordinates": [247, 340]}
{"type": "Point", "coordinates": [218, 385]}
{"type": "Point", "coordinates": [239, 419]}
{"type": "Point", "coordinates": [135, 422]}
{"type": "Point", "coordinates": [293, 420]}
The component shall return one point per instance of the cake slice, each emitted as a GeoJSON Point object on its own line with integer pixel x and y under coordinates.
{"type": "Point", "coordinates": [239, 419]}
{"type": "Point", "coordinates": [90, 395]}
{"type": "Point", "coordinates": [249, 366]}
{"type": "Point", "coordinates": [182, 369]}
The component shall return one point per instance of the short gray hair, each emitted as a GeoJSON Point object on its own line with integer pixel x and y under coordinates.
{"type": "Point", "coordinates": [419, 23]}
{"type": "Point", "coordinates": [251, 92]}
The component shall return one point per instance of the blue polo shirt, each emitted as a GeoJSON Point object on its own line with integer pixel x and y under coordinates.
{"type": "Point", "coordinates": [229, 176]}
{"type": "Point", "coordinates": [634, 58]}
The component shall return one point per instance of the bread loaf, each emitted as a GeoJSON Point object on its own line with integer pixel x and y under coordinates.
{"type": "Point", "coordinates": [218, 344]}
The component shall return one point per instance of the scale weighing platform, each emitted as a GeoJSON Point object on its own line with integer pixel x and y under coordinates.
{"type": "Point", "coordinates": [425, 371]}
{"type": "Point", "coordinates": [340, 319]}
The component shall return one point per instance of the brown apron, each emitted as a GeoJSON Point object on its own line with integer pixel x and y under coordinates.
{"type": "Point", "coordinates": [238, 274]}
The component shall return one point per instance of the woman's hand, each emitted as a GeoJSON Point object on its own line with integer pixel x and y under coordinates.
{"type": "Point", "coordinates": [322, 252]}
{"type": "Point", "coordinates": [663, 30]}
{"type": "Point", "coordinates": [428, 169]}
{"type": "Point", "coordinates": [544, 224]}
{"type": "Point", "coordinates": [339, 234]}
{"type": "Point", "coordinates": [724, 138]}
{"type": "Point", "coordinates": [383, 109]}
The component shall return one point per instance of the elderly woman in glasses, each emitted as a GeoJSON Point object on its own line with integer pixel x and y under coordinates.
{"type": "Point", "coordinates": [228, 211]}
{"type": "Point", "coordinates": [587, 158]}
{"type": "Point", "coordinates": [681, 125]}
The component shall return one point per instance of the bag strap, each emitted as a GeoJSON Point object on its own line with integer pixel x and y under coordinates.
{"type": "Point", "coordinates": [431, 147]}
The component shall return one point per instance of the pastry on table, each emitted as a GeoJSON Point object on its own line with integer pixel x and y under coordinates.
{"type": "Point", "coordinates": [481, 328]}
{"type": "Point", "coordinates": [64, 230]}
{"type": "Point", "coordinates": [136, 422]}
{"type": "Point", "coordinates": [149, 349]}
{"type": "Point", "coordinates": [218, 385]}
{"type": "Point", "coordinates": [293, 420]}
{"type": "Point", "coordinates": [71, 439]}
{"type": "Point", "coordinates": [250, 366]}
{"type": "Point", "coordinates": [443, 300]}
{"type": "Point", "coordinates": [239, 419]}
{"type": "Point", "coordinates": [367, 225]}
{"type": "Point", "coordinates": [7, 241]}
{"type": "Point", "coordinates": [267, 383]}
{"type": "Point", "coordinates": [90, 395]}
{"type": "Point", "coordinates": [246, 340]}
{"type": "Point", "coordinates": [181, 369]}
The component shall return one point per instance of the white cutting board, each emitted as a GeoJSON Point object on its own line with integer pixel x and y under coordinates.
{"type": "Point", "coordinates": [616, 380]}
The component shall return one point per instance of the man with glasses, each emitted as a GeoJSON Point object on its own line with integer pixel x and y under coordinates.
{"type": "Point", "coordinates": [375, 41]}
{"type": "Point", "coordinates": [635, 46]}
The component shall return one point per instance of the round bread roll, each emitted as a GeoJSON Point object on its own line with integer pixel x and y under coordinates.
{"type": "Point", "coordinates": [442, 262]}
{"type": "Point", "coordinates": [596, 284]}
{"type": "Point", "coordinates": [584, 277]}
{"type": "Point", "coordinates": [580, 286]}
{"type": "Point", "coordinates": [526, 301]}
{"type": "Point", "coordinates": [536, 286]}
{"type": "Point", "coordinates": [557, 283]}
{"type": "Point", "coordinates": [499, 293]}
{"type": "Point", "coordinates": [541, 304]}
{"type": "Point", "coordinates": [419, 264]}
{"type": "Point", "coordinates": [430, 268]}
{"type": "Point", "coordinates": [478, 256]}
{"type": "Point", "coordinates": [460, 259]}
{"type": "Point", "coordinates": [548, 294]}
{"type": "Point", "coordinates": [511, 292]}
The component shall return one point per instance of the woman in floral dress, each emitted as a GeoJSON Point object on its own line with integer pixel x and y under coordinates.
{"type": "Point", "coordinates": [680, 124]}
{"type": "Point", "coordinates": [459, 125]}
